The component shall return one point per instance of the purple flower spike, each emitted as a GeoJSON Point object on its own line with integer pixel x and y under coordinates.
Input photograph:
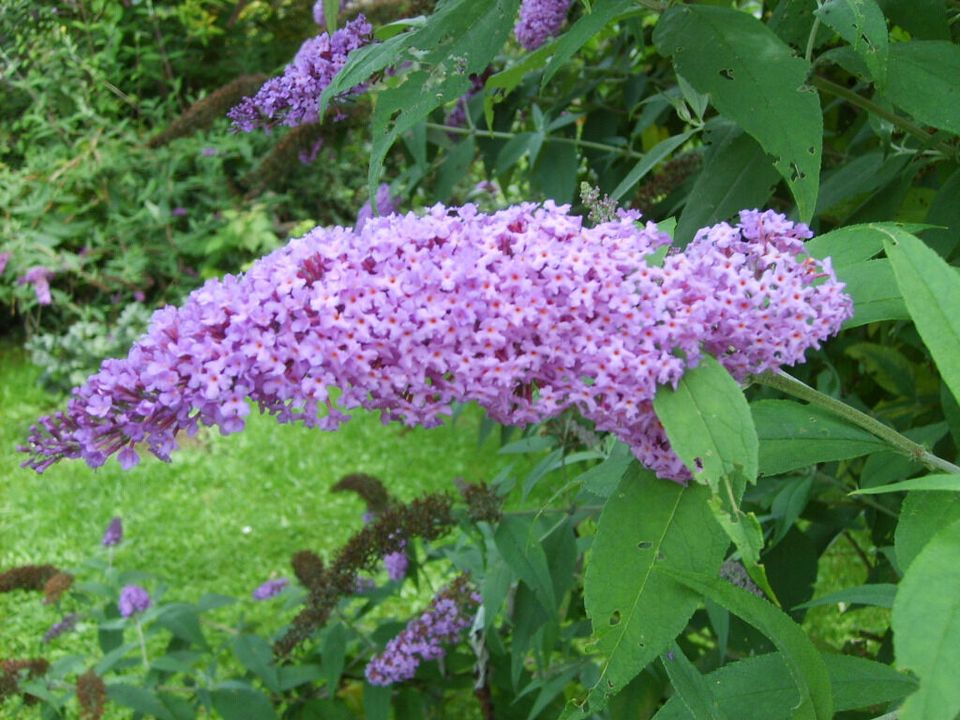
{"type": "Point", "coordinates": [39, 277]}
{"type": "Point", "coordinates": [291, 99]}
{"type": "Point", "coordinates": [114, 533]}
{"type": "Point", "coordinates": [424, 638]}
{"type": "Point", "coordinates": [133, 599]}
{"type": "Point", "coordinates": [526, 312]}
{"type": "Point", "coordinates": [4, 259]}
{"type": "Point", "coordinates": [270, 589]}
{"type": "Point", "coordinates": [396, 564]}
{"type": "Point", "coordinates": [539, 21]}
{"type": "Point", "coordinates": [64, 626]}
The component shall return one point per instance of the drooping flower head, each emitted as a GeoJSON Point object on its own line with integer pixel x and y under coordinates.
{"type": "Point", "coordinates": [525, 311]}
{"type": "Point", "coordinates": [59, 628]}
{"type": "Point", "coordinates": [293, 98]}
{"type": "Point", "coordinates": [133, 599]}
{"type": "Point", "coordinates": [271, 588]}
{"type": "Point", "coordinates": [424, 638]}
{"type": "Point", "coordinates": [539, 21]}
{"type": "Point", "coordinates": [113, 535]}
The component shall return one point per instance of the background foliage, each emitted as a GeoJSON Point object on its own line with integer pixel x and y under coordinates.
{"type": "Point", "coordinates": [809, 571]}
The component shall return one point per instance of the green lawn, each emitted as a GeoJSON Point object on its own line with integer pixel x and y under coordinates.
{"type": "Point", "coordinates": [225, 515]}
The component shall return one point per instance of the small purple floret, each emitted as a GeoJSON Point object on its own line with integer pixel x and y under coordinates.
{"type": "Point", "coordinates": [539, 21]}
{"type": "Point", "coordinates": [133, 599]}
{"type": "Point", "coordinates": [114, 533]}
{"type": "Point", "coordinates": [270, 588]}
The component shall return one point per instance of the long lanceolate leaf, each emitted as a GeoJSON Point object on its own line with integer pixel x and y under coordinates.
{"type": "Point", "coordinates": [805, 664]}
{"type": "Point", "coordinates": [636, 612]}
{"type": "Point", "coordinates": [754, 79]}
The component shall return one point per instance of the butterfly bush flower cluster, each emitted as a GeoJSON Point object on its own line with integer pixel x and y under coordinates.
{"type": "Point", "coordinates": [397, 564]}
{"type": "Point", "coordinates": [539, 21]}
{"type": "Point", "coordinates": [525, 311]}
{"type": "Point", "coordinates": [113, 535]}
{"type": "Point", "coordinates": [271, 588]}
{"type": "Point", "coordinates": [292, 98]}
{"type": "Point", "coordinates": [39, 277]}
{"type": "Point", "coordinates": [133, 599]}
{"type": "Point", "coordinates": [449, 614]}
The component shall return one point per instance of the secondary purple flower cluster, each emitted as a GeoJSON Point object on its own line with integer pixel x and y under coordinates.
{"type": "Point", "coordinates": [113, 535]}
{"type": "Point", "coordinates": [539, 21]}
{"type": "Point", "coordinates": [133, 599]}
{"type": "Point", "coordinates": [396, 564]}
{"type": "Point", "coordinates": [424, 638]}
{"type": "Point", "coordinates": [292, 98]}
{"type": "Point", "coordinates": [68, 623]}
{"type": "Point", "coordinates": [39, 277]}
{"type": "Point", "coordinates": [271, 588]}
{"type": "Point", "coordinates": [525, 311]}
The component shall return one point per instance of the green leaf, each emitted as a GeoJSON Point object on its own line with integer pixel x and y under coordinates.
{"type": "Point", "coordinates": [862, 24]}
{"type": "Point", "coordinates": [636, 613]}
{"type": "Point", "coordinates": [926, 626]}
{"type": "Point", "coordinates": [554, 174]}
{"type": "Point", "coordinates": [923, 19]}
{"type": "Point", "coordinates": [334, 655]}
{"type": "Point", "coordinates": [887, 367]}
{"type": "Point", "coordinates": [762, 97]}
{"type": "Point", "coordinates": [737, 174]}
{"type": "Point", "coordinates": [590, 23]}
{"type": "Point", "coordinates": [806, 667]}
{"type": "Point", "coordinates": [240, 703]}
{"type": "Point", "coordinates": [789, 503]}
{"type": "Point", "coordinates": [877, 595]}
{"type": "Point", "coordinates": [709, 424]}
{"type": "Point", "coordinates": [139, 699]}
{"type": "Point", "coordinates": [760, 688]}
{"type": "Point", "coordinates": [602, 480]}
{"type": "Point", "coordinates": [922, 79]}
{"type": "Point", "coordinates": [256, 655]}
{"type": "Point", "coordinates": [182, 620]}
{"type": "Point", "coordinates": [504, 82]}
{"type": "Point", "coordinates": [949, 482]}
{"type": "Point", "coordinates": [331, 13]}
{"type": "Point", "coordinates": [292, 676]}
{"type": "Point", "coordinates": [520, 547]}
{"type": "Point", "coordinates": [931, 291]}
{"type": "Point", "coordinates": [459, 39]}
{"type": "Point", "coordinates": [945, 211]}
{"type": "Point", "coordinates": [645, 164]}
{"type": "Point", "coordinates": [921, 515]}
{"type": "Point", "coordinates": [747, 535]}
{"type": "Point", "coordinates": [376, 701]}
{"type": "Point", "coordinates": [793, 436]}
{"type": "Point", "coordinates": [692, 687]}
{"type": "Point", "coordinates": [874, 291]}
{"type": "Point", "coordinates": [455, 167]}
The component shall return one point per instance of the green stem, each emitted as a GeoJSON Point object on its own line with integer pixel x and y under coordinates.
{"type": "Point", "coordinates": [143, 646]}
{"type": "Point", "coordinates": [812, 39]}
{"type": "Point", "coordinates": [865, 104]}
{"type": "Point", "coordinates": [791, 386]}
{"type": "Point", "coordinates": [498, 135]}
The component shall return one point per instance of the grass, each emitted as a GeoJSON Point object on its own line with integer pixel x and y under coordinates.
{"type": "Point", "coordinates": [224, 516]}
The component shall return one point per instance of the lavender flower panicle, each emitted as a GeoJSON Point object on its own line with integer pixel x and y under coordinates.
{"type": "Point", "coordinates": [113, 535]}
{"type": "Point", "coordinates": [292, 98]}
{"type": "Point", "coordinates": [133, 599]}
{"type": "Point", "coordinates": [271, 588]}
{"type": "Point", "coordinates": [39, 277]}
{"type": "Point", "coordinates": [423, 639]}
{"type": "Point", "coordinates": [59, 628]}
{"type": "Point", "coordinates": [525, 311]}
{"type": "Point", "coordinates": [539, 21]}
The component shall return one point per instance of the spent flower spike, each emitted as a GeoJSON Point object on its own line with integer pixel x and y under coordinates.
{"type": "Point", "coordinates": [525, 311]}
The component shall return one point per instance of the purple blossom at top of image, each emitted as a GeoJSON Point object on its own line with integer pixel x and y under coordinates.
{"type": "Point", "coordinates": [423, 638]}
{"type": "Point", "coordinates": [133, 599]}
{"type": "Point", "coordinates": [271, 588]}
{"type": "Point", "coordinates": [525, 311]}
{"type": "Point", "coordinates": [293, 98]}
{"type": "Point", "coordinates": [113, 535]}
{"type": "Point", "coordinates": [539, 21]}
{"type": "Point", "coordinates": [386, 205]}
{"type": "Point", "coordinates": [39, 276]}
